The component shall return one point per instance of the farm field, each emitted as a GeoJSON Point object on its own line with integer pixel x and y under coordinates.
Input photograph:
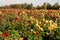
{"type": "Point", "coordinates": [23, 24]}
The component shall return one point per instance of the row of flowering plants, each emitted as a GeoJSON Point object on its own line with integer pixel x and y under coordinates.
{"type": "Point", "coordinates": [40, 25]}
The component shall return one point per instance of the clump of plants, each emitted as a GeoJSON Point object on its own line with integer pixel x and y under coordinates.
{"type": "Point", "coordinates": [25, 27]}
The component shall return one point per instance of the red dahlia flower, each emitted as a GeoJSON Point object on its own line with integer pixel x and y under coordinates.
{"type": "Point", "coordinates": [5, 34]}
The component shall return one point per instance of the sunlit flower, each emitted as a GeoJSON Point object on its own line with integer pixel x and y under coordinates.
{"type": "Point", "coordinates": [47, 21]}
{"type": "Point", "coordinates": [39, 27]}
{"type": "Point", "coordinates": [0, 32]}
{"type": "Point", "coordinates": [0, 12]}
{"type": "Point", "coordinates": [52, 26]}
{"type": "Point", "coordinates": [31, 30]}
{"type": "Point", "coordinates": [43, 20]}
{"type": "Point", "coordinates": [40, 22]}
{"type": "Point", "coordinates": [50, 21]}
{"type": "Point", "coordinates": [21, 38]}
{"type": "Point", "coordinates": [47, 33]}
{"type": "Point", "coordinates": [31, 18]}
{"type": "Point", "coordinates": [42, 15]}
{"type": "Point", "coordinates": [36, 33]}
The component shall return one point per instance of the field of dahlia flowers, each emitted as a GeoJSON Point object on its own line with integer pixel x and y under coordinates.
{"type": "Point", "coordinates": [23, 24]}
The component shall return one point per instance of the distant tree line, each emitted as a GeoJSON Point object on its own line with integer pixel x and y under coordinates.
{"type": "Point", "coordinates": [30, 6]}
{"type": "Point", "coordinates": [48, 6]}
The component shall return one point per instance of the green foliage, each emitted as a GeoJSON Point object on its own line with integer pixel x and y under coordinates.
{"type": "Point", "coordinates": [47, 17]}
